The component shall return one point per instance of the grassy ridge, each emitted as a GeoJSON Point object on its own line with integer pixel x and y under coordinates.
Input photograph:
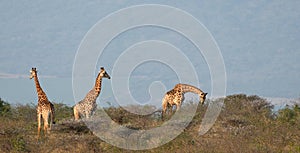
{"type": "Point", "coordinates": [245, 124]}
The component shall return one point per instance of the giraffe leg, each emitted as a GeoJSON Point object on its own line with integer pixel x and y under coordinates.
{"type": "Point", "coordinates": [46, 125]}
{"type": "Point", "coordinates": [87, 114]}
{"type": "Point", "coordinates": [164, 107]}
{"type": "Point", "coordinates": [76, 113]}
{"type": "Point", "coordinates": [177, 107]}
{"type": "Point", "coordinates": [45, 128]}
{"type": "Point", "coordinates": [39, 117]}
{"type": "Point", "coordinates": [170, 109]}
{"type": "Point", "coordinates": [178, 103]}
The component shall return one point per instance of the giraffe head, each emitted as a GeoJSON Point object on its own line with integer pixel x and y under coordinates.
{"type": "Point", "coordinates": [33, 72]}
{"type": "Point", "coordinates": [202, 97]}
{"type": "Point", "coordinates": [103, 73]}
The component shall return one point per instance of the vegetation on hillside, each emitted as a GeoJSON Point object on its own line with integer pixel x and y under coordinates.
{"type": "Point", "coordinates": [245, 124]}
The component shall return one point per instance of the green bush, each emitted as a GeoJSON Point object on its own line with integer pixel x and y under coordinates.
{"type": "Point", "coordinates": [62, 111]}
{"type": "Point", "coordinates": [251, 108]}
{"type": "Point", "coordinates": [289, 115]}
{"type": "Point", "coordinates": [25, 112]}
{"type": "Point", "coordinates": [5, 108]}
{"type": "Point", "coordinates": [18, 144]}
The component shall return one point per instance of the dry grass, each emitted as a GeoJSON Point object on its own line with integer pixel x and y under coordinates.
{"type": "Point", "coordinates": [246, 124]}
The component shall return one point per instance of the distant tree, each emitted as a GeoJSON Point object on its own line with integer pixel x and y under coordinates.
{"type": "Point", "coordinates": [247, 108]}
{"type": "Point", "coordinates": [5, 108]}
{"type": "Point", "coordinates": [289, 115]}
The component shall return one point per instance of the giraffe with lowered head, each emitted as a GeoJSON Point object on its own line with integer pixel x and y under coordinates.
{"type": "Point", "coordinates": [176, 96]}
{"type": "Point", "coordinates": [45, 109]}
{"type": "Point", "coordinates": [87, 106]}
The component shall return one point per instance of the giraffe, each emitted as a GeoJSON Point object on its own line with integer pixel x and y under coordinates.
{"type": "Point", "coordinates": [87, 106]}
{"type": "Point", "coordinates": [45, 109]}
{"type": "Point", "coordinates": [176, 96]}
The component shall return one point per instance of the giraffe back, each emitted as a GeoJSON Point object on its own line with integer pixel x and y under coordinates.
{"type": "Point", "coordinates": [88, 105]}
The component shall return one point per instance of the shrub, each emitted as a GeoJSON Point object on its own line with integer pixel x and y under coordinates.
{"type": "Point", "coordinates": [5, 108]}
{"type": "Point", "coordinates": [252, 108]}
{"type": "Point", "coordinates": [25, 113]}
{"type": "Point", "coordinates": [19, 144]}
{"type": "Point", "coordinates": [62, 111]}
{"type": "Point", "coordinates": [289, 115]}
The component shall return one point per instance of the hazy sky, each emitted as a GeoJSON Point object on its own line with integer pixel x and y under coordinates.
{"type": "Point", "coordinates": [259, 42]}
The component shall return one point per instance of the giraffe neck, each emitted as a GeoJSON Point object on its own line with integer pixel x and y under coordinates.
{"type": "Point", "coordinates": [41, 94]}
{"type": "Point", "coordinates": [188, 88]}
{"type": "Point", "coordinates": [98, 84]}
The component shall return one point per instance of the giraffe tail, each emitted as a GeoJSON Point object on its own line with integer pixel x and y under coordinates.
{"type": "Point", "coordinates": [53, 121]}
{"type": "Point", "coordinates": [52, 114]}
{"type": "Point", "coordinates": [53, 117]}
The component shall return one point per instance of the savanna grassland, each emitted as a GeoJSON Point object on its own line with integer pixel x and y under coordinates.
{"type": "Point", "coordinates": [245, 124]}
